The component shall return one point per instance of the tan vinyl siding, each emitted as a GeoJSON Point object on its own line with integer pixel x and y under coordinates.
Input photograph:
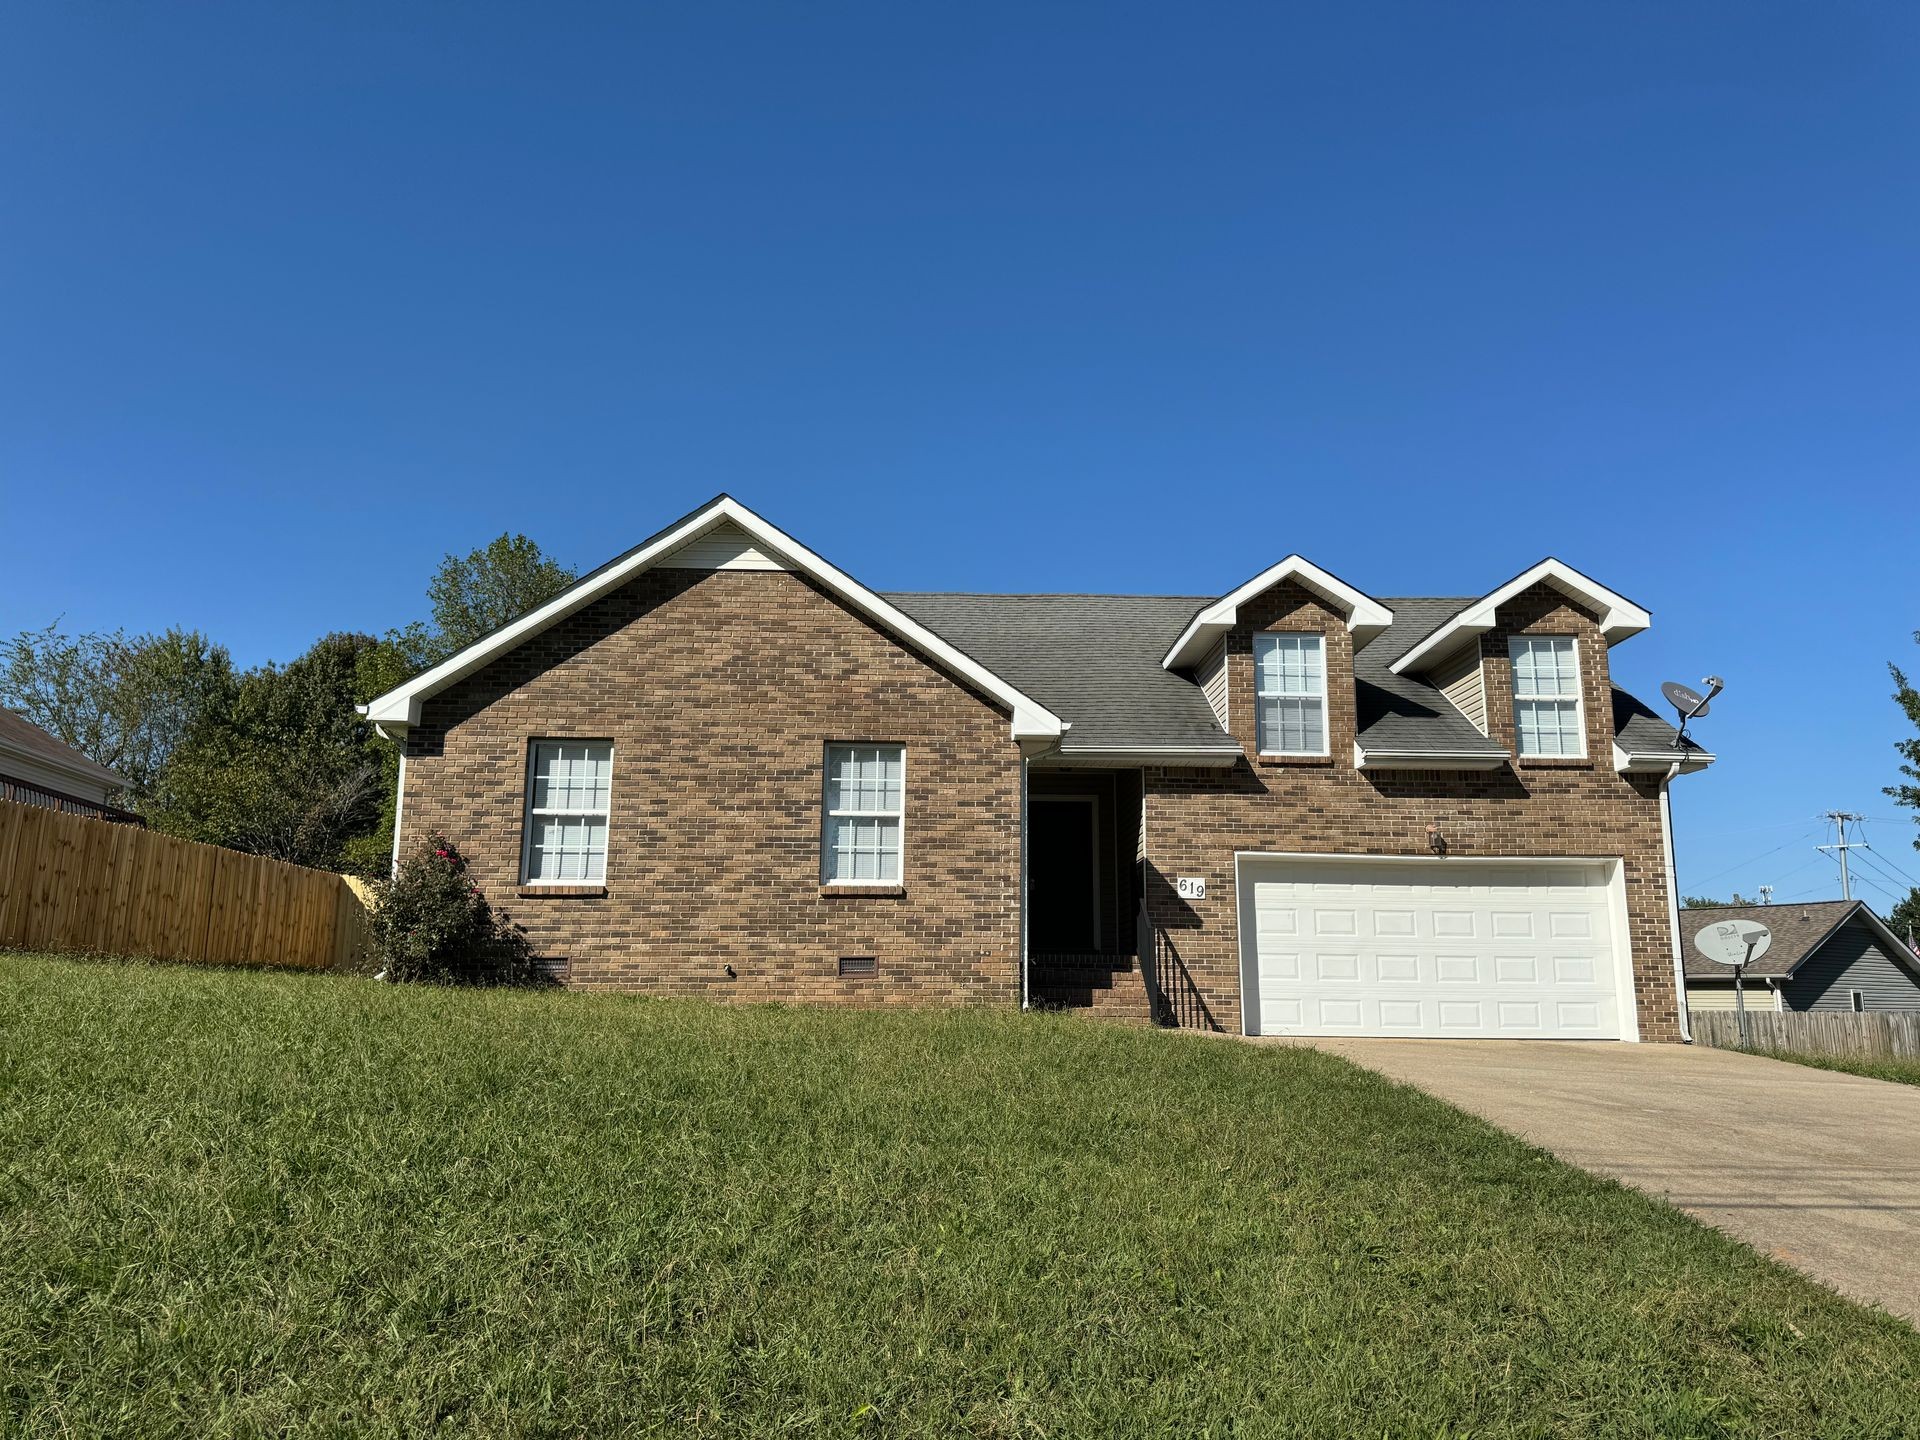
{"type": "Point", "coordinates": [725, 547]}
{"type": "Point", "coordinates": [1212, 675]}
{"type": "Point", "coordinates": [1459, 680]}
{"type": "Point", "coordinates": [1720, 997]}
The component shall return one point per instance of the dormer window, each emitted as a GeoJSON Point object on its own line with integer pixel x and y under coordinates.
{"type": "Point", "coordinates": [1547, 719]}
{"type": "Point", "coordinates": [1290, 693]}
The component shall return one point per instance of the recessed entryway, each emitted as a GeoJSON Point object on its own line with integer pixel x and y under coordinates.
{"type": "Point", "coordinates": [1063, 843]}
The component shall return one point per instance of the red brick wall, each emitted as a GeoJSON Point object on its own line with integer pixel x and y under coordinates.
{"type": "Point", "coordinates": [719, 691]}
{"type": "Point", "coordinates": [1196, 820]}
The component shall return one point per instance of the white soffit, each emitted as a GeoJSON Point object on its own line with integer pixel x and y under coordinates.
{"type": "Point", "coordinates": [728, 523]}
{"type": "Point", "coordinates": [1619, 616]}
{"type": "Point", "coordinates": [1366, 617]}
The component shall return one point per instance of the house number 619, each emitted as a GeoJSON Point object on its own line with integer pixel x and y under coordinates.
{"type": "Point", "coordinates": [1190, 887]}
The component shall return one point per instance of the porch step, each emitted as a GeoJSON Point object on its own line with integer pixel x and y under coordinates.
{"type": "Point", "coordinates": [1109, 987]}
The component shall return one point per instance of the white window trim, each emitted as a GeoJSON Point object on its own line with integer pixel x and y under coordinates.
{"type": "Point", "coordinates": [1579, 696]}
{"type": "Point", "coordinates": [1326, 705]}
{"type": "Point", "coordinates": [828, 814]}
{"type": "Point", "coordinates": [527, 811]}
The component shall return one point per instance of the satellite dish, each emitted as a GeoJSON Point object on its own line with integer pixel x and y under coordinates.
{"type": "Point", "coordinates": [1684, 698]}
{"type": "Point", "coordinates": [1733, 942]}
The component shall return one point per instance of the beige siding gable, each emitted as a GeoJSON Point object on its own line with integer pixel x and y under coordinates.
{"type": "Point", "coordinates": [1212, 677]}
{"type": "Point", "coordinates": [1460, 681]}
{"type": "Point", "coordinates": [725, 547]}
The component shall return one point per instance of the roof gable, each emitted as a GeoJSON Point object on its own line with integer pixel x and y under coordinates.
{"type": "Point", "coordinates": [1619, 616]}
{"type": "Point", "coordinates": [722, 530]}
{"type": "Point", "coordinates": [1365, 616]}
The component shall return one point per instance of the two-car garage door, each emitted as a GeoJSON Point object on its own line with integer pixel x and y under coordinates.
{"type": "Point", "coordinates": [1513, 949]}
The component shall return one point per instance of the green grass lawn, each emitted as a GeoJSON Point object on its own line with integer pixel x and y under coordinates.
{"type": "Point", "coordinates": [257, 1204]}
{"type": "Point", "coordinates": [1900, 1070]}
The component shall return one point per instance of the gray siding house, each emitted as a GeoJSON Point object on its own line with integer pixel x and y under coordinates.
{"type": "Point", "coordinates": [1833, 955]}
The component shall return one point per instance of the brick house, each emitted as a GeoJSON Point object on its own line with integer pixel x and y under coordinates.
{"type": "Point", "coordinates": [720, 766]}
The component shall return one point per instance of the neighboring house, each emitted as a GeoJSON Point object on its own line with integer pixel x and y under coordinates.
{"type": "Point", "coordinates": [1831, 955]}
{"type": "Point", "coordinates": [720, 766]}
{"type": "Point", "coordinates": [37, 769]}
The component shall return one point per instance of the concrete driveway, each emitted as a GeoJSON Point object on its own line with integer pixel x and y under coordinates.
{"type": "Point", "coordinates": [1819, 1170]}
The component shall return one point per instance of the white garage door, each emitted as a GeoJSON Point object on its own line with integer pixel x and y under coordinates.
{"type": "Point", "coordinates": [1463, 948]}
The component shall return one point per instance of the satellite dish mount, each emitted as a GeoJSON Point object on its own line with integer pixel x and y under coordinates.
{"type": "Point", "coordinates": [1690, 702]}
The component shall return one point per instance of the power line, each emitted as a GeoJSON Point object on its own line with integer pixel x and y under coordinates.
{"type": "Point", "coordinates": [1756, 859]}
{"type": "Point", "coordinates": [1751, 829]}
{"type": "Point", "coordinates": [1883, 858]}
{"type": "Point", "coordinates": [1872, 864]}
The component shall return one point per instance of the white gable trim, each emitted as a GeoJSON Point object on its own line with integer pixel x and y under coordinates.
{"type": "Point", "coordinates": [1366, 617]}
{"type": "Point", "coordinates": [400, 707]}
{"type": "Point", "coordinates": [1619, 616]}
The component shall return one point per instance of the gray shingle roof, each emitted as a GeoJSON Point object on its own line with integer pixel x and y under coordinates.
{"type": "Point", "coordinates": [1797, 933]}
{"type": "Point", "coordinates": [1403, 712]}
{"type": "Point", "coordinates": [1094, 660]}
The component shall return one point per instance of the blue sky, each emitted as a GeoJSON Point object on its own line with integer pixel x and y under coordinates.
{"type": "Point", "coordinates": [1040, 296]}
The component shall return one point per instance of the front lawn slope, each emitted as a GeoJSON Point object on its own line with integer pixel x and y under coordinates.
{"type": "Point", "coordinates": [251, 1203]}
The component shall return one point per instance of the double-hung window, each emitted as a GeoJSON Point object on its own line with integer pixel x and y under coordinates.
{"type": "Point", "coordinates": [1290, 693]}
{"type": "Point", "coordinates": [1546, 696]}
{"type": "Point", "coordinates": [866, 812]}
{"type": "Point", "coordinates": [569, 789]}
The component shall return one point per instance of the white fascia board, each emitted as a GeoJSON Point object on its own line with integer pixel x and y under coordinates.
{"type": "Point", "coordinates": [401, 705]}
{"type": "Point", "coordinates": [1646, 762]}
{"type": "Point", "coordinates": [1376, 759]}
{"type": "Point", "coordinates": [1619, 616]}
{"type": "Point", "coordinates": [1366, 617]}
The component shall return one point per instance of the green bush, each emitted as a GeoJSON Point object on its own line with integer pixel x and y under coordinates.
{"type": "Point", "coordinates": [433, 926]}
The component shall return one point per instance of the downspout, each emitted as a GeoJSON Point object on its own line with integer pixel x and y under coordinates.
{"type": "Point", "coordinates": [1673, 908]}
{"type": "Point", "coordinates": [1024, 999]}
{"type": "Point", "coordinates": [399, 800]}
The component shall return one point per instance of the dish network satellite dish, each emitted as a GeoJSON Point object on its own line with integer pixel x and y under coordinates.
{"type": "Point", "coordinates": [1689, 701]}
{"type": "Point", "coordinates": [1733, 942]}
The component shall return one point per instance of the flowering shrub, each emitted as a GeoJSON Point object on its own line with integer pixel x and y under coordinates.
{"type": "Point", "coordinates": [432, 925]}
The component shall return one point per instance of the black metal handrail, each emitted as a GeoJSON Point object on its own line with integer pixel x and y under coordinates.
{"type": "Point", "coordinates": [1176, 999]}
{"type": "Point", "coordinates": [25, 792]}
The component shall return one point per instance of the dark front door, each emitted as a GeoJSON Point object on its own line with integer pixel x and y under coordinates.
{"type": "Point", "coordinates": [1062, 879]}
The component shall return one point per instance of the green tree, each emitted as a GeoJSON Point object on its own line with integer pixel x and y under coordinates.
{"type": "Point", "coordinates": [469, 597]}
{"type": "Point", "coordinates": [1905, 918]}
{"type": "Point", "coordinates": [1908, 699]}
{"type": "Point", "coordinates": [286, 768]}
{"type": "Point", "coordinates": [1707, 902]}
{"type": "Point", "coordinates": [124, 701]}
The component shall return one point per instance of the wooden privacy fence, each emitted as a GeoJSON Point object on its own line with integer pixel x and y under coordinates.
{"type": "Point", "coordinates": [1812, 1032]}
{"type": "Point", "coordinates": [71, 883]}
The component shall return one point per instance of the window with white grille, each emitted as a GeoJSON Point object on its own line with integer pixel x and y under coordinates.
{"type": "Point", "coordinates": [1547, 718]}
{"type": "Point", "coordinates": [569, 794]}
{"type": "Point", "coordinates": [866, 813]}
{"type": "Point", "coordinates": [1290, 694]}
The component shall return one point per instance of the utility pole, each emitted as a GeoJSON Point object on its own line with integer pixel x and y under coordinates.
{"type": "Point", "coordinates": [1840, 818]}
{"type": "Point", "coordinates": [1766, 894]}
